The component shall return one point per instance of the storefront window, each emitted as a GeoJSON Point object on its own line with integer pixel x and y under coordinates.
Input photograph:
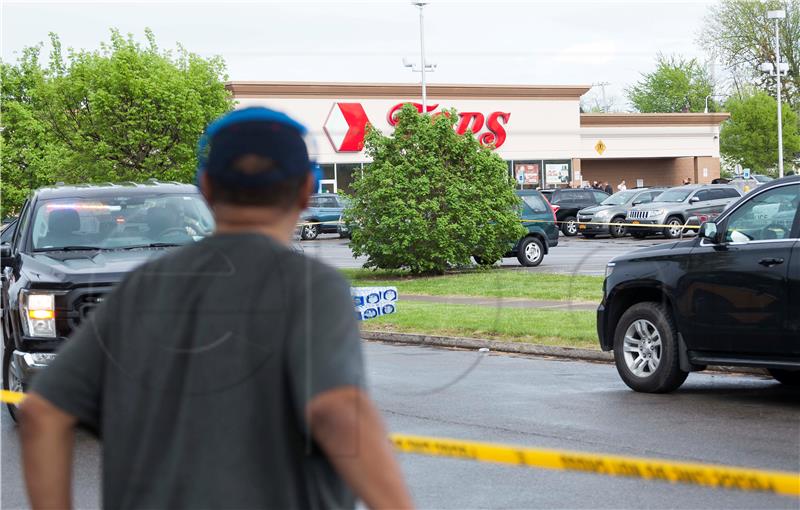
{"type": "Point", "coordinates": [345, 177]}
{"type": "Point", "coordinates": [528, 173]}
{"type": "Point", "coordinates": [557, 174]}
{"type": "Point", "coordinates": [328, 171]}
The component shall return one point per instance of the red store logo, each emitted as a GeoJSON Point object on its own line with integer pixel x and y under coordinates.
{"type": "Point", "coordinates": [495, 134]}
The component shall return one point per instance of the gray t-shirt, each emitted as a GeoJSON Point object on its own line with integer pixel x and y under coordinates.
{"type": "Point", "coordinates": [196, 371]}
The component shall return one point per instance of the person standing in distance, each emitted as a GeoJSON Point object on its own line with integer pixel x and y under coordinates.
{"type": "Point", "coordinates": [227, 373]}
{"type": "Point", "coordinates": [621, 186]}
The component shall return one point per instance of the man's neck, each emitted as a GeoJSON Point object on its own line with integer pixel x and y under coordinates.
{"type": "Point", "coordinates": [243, 220]}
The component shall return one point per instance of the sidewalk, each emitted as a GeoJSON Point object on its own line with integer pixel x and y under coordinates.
{"type": "Point", "coordinates": [502, 302]}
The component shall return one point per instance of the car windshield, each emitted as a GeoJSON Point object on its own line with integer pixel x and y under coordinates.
{"type": "Point", "coordinates": [762, 178]}
{"type": "Point", "coordinates": [619, 198]}
{"type": "Point", "coordinates": [673, 195]}
{"type": "Point", "coordinates": [120, 221]}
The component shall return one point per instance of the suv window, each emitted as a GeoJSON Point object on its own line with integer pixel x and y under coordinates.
{"type": "Point", "coordinates": [724, 193]}
{"type": "Point", "coordinates": [704, 195]}
{"type": "Point", "coordinates": [8, 232]}
{"type": "Point", "coordinates": [535, 202]}
{"type": "Point", "coordinates": [314, 202]}
{"type": "Point", "coordinates": [328, 202]}
{"type": "Point", "coordinates": [769, 215]}
{"type": "Point", "coordinates": [599, 196]}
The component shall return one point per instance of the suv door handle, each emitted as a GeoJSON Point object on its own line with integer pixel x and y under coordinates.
{"type": "Point", "coordinates": [770, 262]}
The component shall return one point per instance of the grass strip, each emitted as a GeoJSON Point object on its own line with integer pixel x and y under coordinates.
{"type": "Point", "coordinates": [486, 283]}
{"type": "Point", "coordinates": [546, 327]}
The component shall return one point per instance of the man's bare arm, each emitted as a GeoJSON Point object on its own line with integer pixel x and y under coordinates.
{"type": "Point", "coordinates": [346, 424]}
{"type": "Point", "coordinates": [47, 440]}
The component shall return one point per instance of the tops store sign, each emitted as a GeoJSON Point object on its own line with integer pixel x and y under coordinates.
{"type": "Point", "coordinates": [346, 125]}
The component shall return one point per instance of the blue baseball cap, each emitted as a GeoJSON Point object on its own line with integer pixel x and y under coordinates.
{"type": "Point", "coordinates": [258, 131]}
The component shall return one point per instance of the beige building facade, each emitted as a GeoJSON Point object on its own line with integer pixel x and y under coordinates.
{"type": "Point", "coordinates": [538, 130]}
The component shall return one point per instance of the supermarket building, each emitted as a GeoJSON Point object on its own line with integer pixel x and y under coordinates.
{"type": "Point", "coordinates": [538, 130]}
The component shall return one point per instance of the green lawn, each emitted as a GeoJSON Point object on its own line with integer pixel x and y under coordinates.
{"type": "Point", "coordinates": [489, 283]}
{"type": "Point", "coordinates": [548, 327]}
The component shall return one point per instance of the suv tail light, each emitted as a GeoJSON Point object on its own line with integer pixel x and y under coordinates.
{"type": "Point", "coordinates": [554, 209]}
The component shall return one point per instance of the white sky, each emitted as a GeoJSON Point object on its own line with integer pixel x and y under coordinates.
{"type": "Point", "coordinates": [523, 42]}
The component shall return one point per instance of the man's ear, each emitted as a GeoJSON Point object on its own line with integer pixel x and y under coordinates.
{"type": "Point", "coordinates": [205, 188]}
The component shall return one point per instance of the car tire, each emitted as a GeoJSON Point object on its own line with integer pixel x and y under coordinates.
{"type": "Point", "coordinates": [617, 230]}
{"type": "Point", "coordinates": [309, 232]}
{"type": "Point", "coordinates": [531, 252]}
{"type": "Point", "coordinates": [569, 226]}
{"type": "Point", "coordinates": [787, 377]}
{"type": "Point", "coordinates": [7, 382]}
{"type": "Point", "coordinates": [646, 349]}
{"type": "Point", "coordinates": [674, 229]}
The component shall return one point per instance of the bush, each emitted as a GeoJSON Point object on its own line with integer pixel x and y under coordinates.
{"type": "Point", "coordinates": [431, 198]}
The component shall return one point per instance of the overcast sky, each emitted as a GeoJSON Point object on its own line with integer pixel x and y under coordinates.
{"type": "Point", "coordinates": [523, 42]}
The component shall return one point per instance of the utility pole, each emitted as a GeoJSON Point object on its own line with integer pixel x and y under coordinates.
{"type": "Point", "coordinates": [602, 85]}
{"type": "Point", "coordinates": [421, 6]}
{"type": "Point", "coordinates": [778, 15]}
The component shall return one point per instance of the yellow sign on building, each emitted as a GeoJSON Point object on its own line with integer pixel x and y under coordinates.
{"type": "Point", "coordinates": [600, 147]}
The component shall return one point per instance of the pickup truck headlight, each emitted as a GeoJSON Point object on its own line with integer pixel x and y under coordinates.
{"type": "Point", "coordinates": [38, 313]}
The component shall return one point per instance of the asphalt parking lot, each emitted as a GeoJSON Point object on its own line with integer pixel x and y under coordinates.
{"type": "Point", "coordinates": [727, 419]}
{"type": "Point", "coordinates": [573, 255]}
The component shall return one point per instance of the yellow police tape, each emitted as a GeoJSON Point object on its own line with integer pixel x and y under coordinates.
{"type": "Point", "coordinates": [743, 479]}
{"type": "Point", "coordinates": [778, 482]}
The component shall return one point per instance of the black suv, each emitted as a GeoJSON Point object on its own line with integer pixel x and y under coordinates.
{"type": "Point", "coordinates": [729, 296]}
{"type": "Point", "coordinates": [567, 202]}
{"type": "Point", "coordinates": [67, 250]}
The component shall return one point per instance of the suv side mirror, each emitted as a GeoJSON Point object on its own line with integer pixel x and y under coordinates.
{"type": "Point", "coordinates": [636, 202]}
{"type": "Point", "coordinates": [5, 254]}
{"type": "Point", "coordinates": [694, 199]}
{"type": "Point", "coordinates": [708, 230]}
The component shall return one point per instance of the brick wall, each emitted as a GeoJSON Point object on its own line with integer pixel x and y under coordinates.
{"type": "Point", "coordinates": [654, 172]}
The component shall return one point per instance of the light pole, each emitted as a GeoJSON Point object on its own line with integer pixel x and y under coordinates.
{"type": "Point", "coordinates": [705, 110]}
{"type": "Point", "coordinates": [779, 69]}
{"type": "Point", "coordinates": [421, 6]}
{"type": "Point", "coordinates": [602, 85]}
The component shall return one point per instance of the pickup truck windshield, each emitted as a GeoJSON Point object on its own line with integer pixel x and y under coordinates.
{"type": "Point", "coordinates": [673, 195]}
{"type": "Point", "coordinates": [118, 222]}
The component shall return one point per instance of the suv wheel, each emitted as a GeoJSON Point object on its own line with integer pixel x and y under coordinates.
{"type": "Point", "coordinates": [12, 380]}
{"type": "Point", "coordinates": [309, 232]}
{"type": "Point", "coordinates": [531, 252]}
{"type": "Point", "coordinates": [787, 377]}
{"type": "Point", "coordinates": [617, 230]}
{"type": "Point", "coordinates": [570, 226]}
{"type": "Point", "coordinates": [646, 349]}
{"type": "Point", "coordinates": [674, 227]}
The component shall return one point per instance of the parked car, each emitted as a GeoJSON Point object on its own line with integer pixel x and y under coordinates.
{"type": "Point", "coordinates": [70, 247]}
{"type": "Point", "coordinates": [567, 202]}
{"type": "Point", "coordinates": [726, 297]}
{"type": "Point", "coordinates": [613, 210]}
{"type": "Point", "coordinates": [540, 220]}
{"type": "Point", "coordinates": [321, 216]}
{"type": "Point", "coordinates": [671, 208]}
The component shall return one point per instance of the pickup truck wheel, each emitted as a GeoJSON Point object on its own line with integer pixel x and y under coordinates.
{"type": "Point", "coordinates": [309, 232]}
{"type": "Point", "coordinates": [646, 349]}
{"type": "Point", "coordinates": [617, 230]}
{"type": "Point", "coordinates": [674, 227]}
{"type": "Point", "coordinates": [531, 252]}
{"type": "Point", "coordinates": [787, 377]}
{"type": "Point", "coordinates": [570, 226]}
{"type": "Point", "coordinates": [11, 378]}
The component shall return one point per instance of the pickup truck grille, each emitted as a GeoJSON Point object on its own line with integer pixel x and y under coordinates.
{"type": "Point", "coordinates": [633, 214]}
{"type": "Point", "coordinates": [83, 305]}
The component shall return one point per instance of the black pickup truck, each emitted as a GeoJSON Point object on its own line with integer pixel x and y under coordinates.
{"type": "Point", "coordinates": [729, 296]}
{"type": "Point", "coordinates": [67, 250]}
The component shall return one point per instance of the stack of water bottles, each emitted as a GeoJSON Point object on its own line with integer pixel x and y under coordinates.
{"type": "Point", "coordinates": [372, 302]}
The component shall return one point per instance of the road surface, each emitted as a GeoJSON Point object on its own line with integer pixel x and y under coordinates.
{"type": "Point", "coordinates": [573, 255]}
{"type": "Point", "coordinates": [737, 420]}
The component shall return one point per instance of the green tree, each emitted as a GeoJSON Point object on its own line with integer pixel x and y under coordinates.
{"type": "Point", "coordinates": [741, 35]}
{"type": "Point", "coordinates": [750, 136]}
{"type": "Point", "coordinates": [675, 85]}
{"type": "Point", "coordinates": [125, 112]}
{"type": "Point", "coordinates": [431, 198]}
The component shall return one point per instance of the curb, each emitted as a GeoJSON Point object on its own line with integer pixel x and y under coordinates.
{"type": "Point", "coordinates": [567, 353]}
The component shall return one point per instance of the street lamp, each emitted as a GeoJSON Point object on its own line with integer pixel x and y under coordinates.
{"type": "Point", "coordinates": [705, 110]}
{"type": "Point", "coordinates": [423, 66]}
{"type": "Point", "coordinates": [776, 70]}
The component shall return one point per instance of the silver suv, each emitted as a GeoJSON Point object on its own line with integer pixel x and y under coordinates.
{"type": "Point", "coordinates": [673, 207]}
{"type": "Point", "coordinates": [592, 220]}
